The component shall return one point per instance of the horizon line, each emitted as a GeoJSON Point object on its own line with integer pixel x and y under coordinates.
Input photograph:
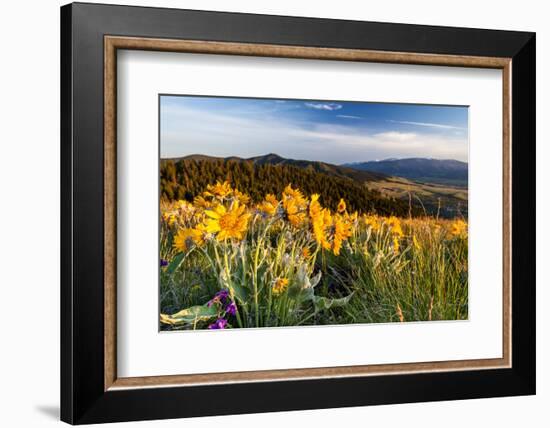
{"type": "Point", "coordinates": [306, 160]}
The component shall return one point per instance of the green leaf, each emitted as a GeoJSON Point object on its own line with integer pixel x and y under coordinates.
{"type": "Point", "coordinates": [175, 263]}
{"type": "Point", "coordinates": [295, 292]}
{"type": "Point", "coordinates": [241, 293]}
{"type": "Point", "coordinates": [227, 283]}
{"type": "Point", "coordinates": [324, 303]}
{"type": "Point", "coordinates": [190, 315]}
{"type": "Point", "coordinates": [315, 280]}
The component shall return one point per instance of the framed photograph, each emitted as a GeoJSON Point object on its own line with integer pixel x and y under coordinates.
{"type": "Point", "coordinates": [266, 213]}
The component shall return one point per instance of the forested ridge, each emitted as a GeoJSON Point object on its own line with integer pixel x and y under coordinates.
{"type": "Point", "coordinates": [188, 178]}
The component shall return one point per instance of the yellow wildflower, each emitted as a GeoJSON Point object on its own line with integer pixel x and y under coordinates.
{"type": "Point", "coordinates": [269, 206]}
{"type": "Point", "coordinates": [416, 243]}
{"type": "Point", "coordinates": [352, 217]}
{"type": "Point", "coordinates": [280, 285]}
{"type": "Point", "coordinates": [294, 205]}
{"type": "Point", "coordinates": [243, 198]}
{"type": "Point", "coordinates": [306, 253]}
{"type": "Point", "coordinates": [169, 217]}
{"type": "Point", "coordinates": [395, 226]}
{"type": "Point", "coordinates": [294, 212]}
{"type": "Point", "coordinates": [290, 193]}
{"type": "Point", "coordinates": [329, 231]}
{"type": "Point", "coordinates": [186, 238]}
{"type": "Point", "coordinates": [459, 228]}
{"type": "Point", "coordinates": [321, 223]}
{"type": "Point", "coordinates": [218, 190]}
{"type": "Point", "coordinates": [320, 218]}
{"type": "Point", "coordinates": [314, 206]}
{"type": "Point", "coordinates": [342, 231]}
{"type": "Point", "coordinates": [202, 203]}
{"type": "Point", "coordinates": [372, 222]}
{"type": "Point", "coordinates": [183, 205]}
{"type": "Point", "coordinates": [341, 206]}
{"type": "Point", "coordinates": [226, 223]}
{"type": "Point", "coordinates": [395, 244]}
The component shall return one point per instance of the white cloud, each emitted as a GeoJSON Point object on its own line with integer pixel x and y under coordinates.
{"type": "Point", "coordinates": [324, 106]}
{"type": "Point", "coordinates": [348, 116]}
{"type": "Point", "coordinates": [396, 136]}
{"type": "Point", "coordinates": [426, 124]}
{"type": "Point", "coordinates": [188, 131]}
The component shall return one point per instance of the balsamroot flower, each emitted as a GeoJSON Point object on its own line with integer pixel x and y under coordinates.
{"type": "Point", "coordinates": [243, 198]}
{"type": "Point", "coordinates": [269, 205]}
{"type": "Point", "coordinates": [280, 285]}
{"type": "Point", "coordinates": [294, 205]}
{"type": "Point", "coordinates": [227, 223]}
{"type": "Point", "coordinates": [395, 226]}
{"type": "Point", "coordinates": [329, 231]}
{"type": "Point", "coordinates": [416, 244]}
{"type": "Point", "coordinates": [372, 221]}
{"type": "Point", "coordinates": [459, 229]}
{"type": "Point", "coordinates": [201, 203]}
{"type": "Point", "coordinates": [218, 190]}
{"type": "Point", "coordinates": [395, 244]}
{"type": "Point", "coordinates": [294, 212]}
{"type": "Point", "coordinates": [290, 193]}
{"type": "Point", "coordinates": [169, 217]}
{"type": "Point", "coordinates": [342, 206]}
{"type": "Point", "coordinates": [321, 219]}
{"type": "Point", "coordinates": [186, 238]}
{"type": "Point", "coordinates": [342, 231]}
{"type": "Point", "coordinates": [184, 205]}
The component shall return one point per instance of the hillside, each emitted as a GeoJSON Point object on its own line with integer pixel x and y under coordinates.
{"type": "Point", "coordinates": [186, 178]}
{"type": "Point", "coordinates": [440, 171]}
{"type": "Point", "coordinates": [316, 166]}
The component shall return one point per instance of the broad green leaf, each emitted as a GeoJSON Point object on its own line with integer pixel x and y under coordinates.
{"type": "Point", "coordinates": [226, 283]}
{"type": "Point", "coordinates": [295, 292]}
{"type": "Point", "coordinates": [175, 263]}
{"type": "Point", "coordinates": [323, 303]}
{"type": "Point", "coordinates": [241, 293]}
{"type": "Point", "coordinates": [315, 280]}
{"type": "Point", "coordinates": [200, 311]}
{"type": "Point", "coordinates": [190, 315]}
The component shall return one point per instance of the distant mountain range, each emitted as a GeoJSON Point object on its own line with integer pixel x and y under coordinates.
{"type": "Point", "coordinates": [440, 171]}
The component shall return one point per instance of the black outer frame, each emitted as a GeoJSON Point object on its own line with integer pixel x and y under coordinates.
{"type": "Point", "coordinates": [83, 399]}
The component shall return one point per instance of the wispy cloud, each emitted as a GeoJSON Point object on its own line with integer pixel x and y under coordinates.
{"type": "Point", "coordinates": [396, 136]}
{"type": "Point", "coordinates": [426, 124]}
{"type": "Point", "coordinates": [348, 116]}
{"type": "Point", "coordinates": [324, 106]}
{"type": "Point", "coordinates": [186, 130]}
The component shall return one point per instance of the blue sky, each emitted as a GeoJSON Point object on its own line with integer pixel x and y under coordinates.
{"type": "Point", "coordinates": [331, 131]}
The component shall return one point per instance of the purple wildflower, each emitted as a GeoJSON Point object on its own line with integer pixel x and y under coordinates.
{"type": "Point", "coordinates": [163, 263]}
{"type": "Point", "coordinates": [219, 324]}
{"type": "Point", "coordinates": [231, 308]}
{"type": "Point", "coordinates": [219, 297]}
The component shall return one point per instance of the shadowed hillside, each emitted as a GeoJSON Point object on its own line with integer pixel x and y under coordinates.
{"type": "Point", "coordinates": [186, 178]}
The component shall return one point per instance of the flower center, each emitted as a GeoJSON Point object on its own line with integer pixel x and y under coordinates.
{"type": "Point", "coordinates": [227, 221]}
